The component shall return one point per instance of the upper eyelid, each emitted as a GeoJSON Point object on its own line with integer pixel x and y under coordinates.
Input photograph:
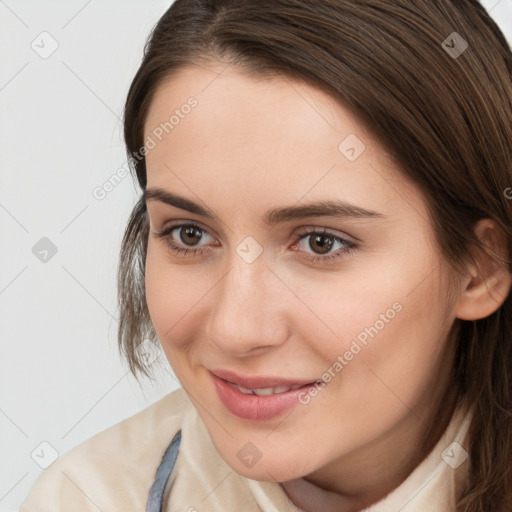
{"type": "Point", "coordinates": [304, 231]}
{"type": "Point", "coordinates": [171, 226]}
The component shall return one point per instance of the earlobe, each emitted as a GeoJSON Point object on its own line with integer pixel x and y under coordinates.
{"type": "Point", "coordinates": [489, 281]}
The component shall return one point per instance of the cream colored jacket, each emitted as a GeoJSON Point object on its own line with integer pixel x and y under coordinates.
{"type": "Point", "coordinates": [114, 470]}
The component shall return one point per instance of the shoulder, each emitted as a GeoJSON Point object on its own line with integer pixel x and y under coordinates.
{"type": "Point", "coordinates": [114, 469]}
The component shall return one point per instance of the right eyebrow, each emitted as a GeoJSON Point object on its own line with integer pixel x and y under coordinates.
{"type": "Point", "coordinates": [158, 194]}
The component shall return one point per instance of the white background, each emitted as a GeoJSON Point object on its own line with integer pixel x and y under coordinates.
{"type": "Point", "coordinates": [61, 377]}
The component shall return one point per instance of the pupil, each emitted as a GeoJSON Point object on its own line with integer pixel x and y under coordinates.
{"type": "Point", "coordinates": [320, 240]}
{"type": "Point", "coordinates": [191, 232]}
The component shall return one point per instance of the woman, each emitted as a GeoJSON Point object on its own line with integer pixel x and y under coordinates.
{"type": "Point", "coordinates": [322, 249]}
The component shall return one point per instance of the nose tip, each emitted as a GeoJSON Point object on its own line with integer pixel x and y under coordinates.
{"type": "Point", "coordinates": [245, 316]}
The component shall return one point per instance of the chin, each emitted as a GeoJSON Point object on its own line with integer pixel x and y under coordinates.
{"type": "Point", "coordinates": [268, 470]}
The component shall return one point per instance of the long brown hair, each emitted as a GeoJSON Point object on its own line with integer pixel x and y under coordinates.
{"type": "Point", "coordinates": [445, 117]}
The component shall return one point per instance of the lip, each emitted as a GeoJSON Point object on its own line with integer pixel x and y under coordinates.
{"type": "Point", "coordinates": [254, 407]}
{"type": "Point", "coordinates": [258, 382]}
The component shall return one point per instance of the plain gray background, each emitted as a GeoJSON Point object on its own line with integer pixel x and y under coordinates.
{"type": "Point", "coordinates": [65, 70]}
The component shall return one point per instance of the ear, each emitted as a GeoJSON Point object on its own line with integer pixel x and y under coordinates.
{"type": "Point", "coordinates": [489, 281]}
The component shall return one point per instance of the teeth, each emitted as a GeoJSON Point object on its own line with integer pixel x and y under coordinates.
{"type": "Point", "coordinates": [267, 391]}
{"type": "Point", "coordinates": [281, 389]}
{"type": "Point", "coordinates": [245, 390]}
{"type": "Point", "coordinates": [264, 391]}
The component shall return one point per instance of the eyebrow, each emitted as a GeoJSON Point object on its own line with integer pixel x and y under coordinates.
{"type": "Point", "coordinates": [274, 216]}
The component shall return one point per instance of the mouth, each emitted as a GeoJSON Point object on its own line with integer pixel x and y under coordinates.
{"type": "Point", "coordinates": [258, 398]}
{"type": "Point", "coordinates": [261, 383]}
{"type": "Point", "coordinates": [265, 391]}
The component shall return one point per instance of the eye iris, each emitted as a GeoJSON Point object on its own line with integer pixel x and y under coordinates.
{"type": "Point", "coordinates": [324, 242]}
{"type": "Point", "coordinates": [193, 233]}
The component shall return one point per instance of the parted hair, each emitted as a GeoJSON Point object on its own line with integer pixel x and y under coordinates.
{"type": "Point", "coordinates": [442, 110]}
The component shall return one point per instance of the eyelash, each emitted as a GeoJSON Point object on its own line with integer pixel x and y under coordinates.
{"type": "Point", "coordinates": [165, 234]}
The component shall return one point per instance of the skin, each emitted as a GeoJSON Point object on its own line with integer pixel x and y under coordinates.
{"type": "Point", "coordinates": [251, 145]}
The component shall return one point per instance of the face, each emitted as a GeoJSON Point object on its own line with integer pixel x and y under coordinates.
{"type": "Point", "coordinates": [261, 287]}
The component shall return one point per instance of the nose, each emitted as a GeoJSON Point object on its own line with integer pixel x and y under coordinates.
{"type": "Point", "coordinates": [248, 309]}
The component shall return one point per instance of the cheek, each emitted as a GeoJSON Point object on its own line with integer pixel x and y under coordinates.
{"type": "Point", "coordinates": [170, 296]}
{"type": "Point", "coordinates": [385, 329]}
{"type": "Point", "coordinates": [386, 359]}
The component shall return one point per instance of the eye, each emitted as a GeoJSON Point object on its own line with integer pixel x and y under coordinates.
{"type": "Point", "coordinates": [320, 241]}
{"type": "Point", "coordinates": [188, 234]}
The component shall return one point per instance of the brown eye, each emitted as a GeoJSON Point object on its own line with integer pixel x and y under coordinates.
{"type": "Point", "coordinates": [321, 243]}
{"type": "Point", "coordinates": [190, 235]}
{"type": "Point", "coordinates": [318, 245]}
{"type": "Point", "coordinates": [187, 237]}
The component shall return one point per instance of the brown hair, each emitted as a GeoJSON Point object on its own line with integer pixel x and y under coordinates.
{"type": "Point", "coordinates": [445, 118]}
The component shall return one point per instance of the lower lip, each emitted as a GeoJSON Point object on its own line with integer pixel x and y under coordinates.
{"type": "Point", "coordinates": [254, 407]}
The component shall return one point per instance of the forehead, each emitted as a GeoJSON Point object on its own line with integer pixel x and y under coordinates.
{"type": "Point", "coordinates": [270, 140]}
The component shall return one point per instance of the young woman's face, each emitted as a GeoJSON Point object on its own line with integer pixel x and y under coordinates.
{"type": "Point", "coordinates": [270, 289]}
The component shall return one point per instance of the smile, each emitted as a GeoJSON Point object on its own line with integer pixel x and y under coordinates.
{"type": "Point", "coordinates": [266, 391]}
{"type": "Point", "coordinates": [258, 398]}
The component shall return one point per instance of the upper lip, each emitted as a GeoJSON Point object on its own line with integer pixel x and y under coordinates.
{"type": "Point", "coordinates": [259, 382]}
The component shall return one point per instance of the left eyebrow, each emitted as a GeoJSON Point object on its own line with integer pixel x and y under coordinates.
{"type": "Point", "coordinates": [274, 216]}
{"type": "Point", "coordinates": [335, 208]}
